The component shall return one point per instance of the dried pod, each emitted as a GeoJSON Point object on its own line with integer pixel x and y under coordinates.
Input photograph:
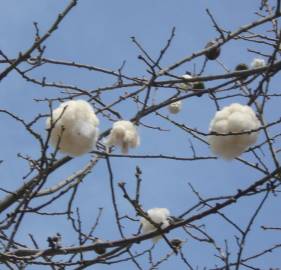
{"type": "Point", "coordinates": [54, 241]}
{"type": "Point", "coordinates": [241, 67]}
{"type": "Point", "coordinates": [213, 53]}
{"type": "Point", "coordinates": [100, 250]}
{"type": "Point", "coordinates": [97, 249]}
{"type": "Point", "coordinates": [176, 243]}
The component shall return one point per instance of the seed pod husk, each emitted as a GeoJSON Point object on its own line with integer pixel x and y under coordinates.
{"type": "Point", "coordinates": [241, 67]}
{"type": "Point", "coordinates": [213, 53]}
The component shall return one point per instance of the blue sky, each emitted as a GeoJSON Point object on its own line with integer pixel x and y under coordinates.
{"type": "Point", "coordinates": [98, 33]}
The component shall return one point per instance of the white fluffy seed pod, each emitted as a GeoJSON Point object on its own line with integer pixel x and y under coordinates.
{"type": "Point", "coordinates": [73, 127]}
{"type": "Point", "coordinates": [123, 134]}
{"type": "Point", "coordinates": [257, 63]}
{"type": "Point", "coordinates": [235, 118]}
{"type": "Point", "coordinates": [175, 107]}
{"type": "Point", "coordinates": [159, 216]}
{"type": "Point", "coordinates": [186, 85]}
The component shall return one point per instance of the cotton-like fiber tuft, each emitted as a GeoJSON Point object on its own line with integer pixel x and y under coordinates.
{"type": "Point", "coordinates": [159, 216]}
{"type": "Point", "coordinates": [235, 118]}
{"type": "Point", "coordinates": [73, 127]}
{"type": "Point", "coordinates": [175, 107]}
{"type": "Point", "coordinates": [186, 85]}
{"type": "Point", "coordinates": [123, 134]}
{"type": "Point", "coordinates": [258, 62]}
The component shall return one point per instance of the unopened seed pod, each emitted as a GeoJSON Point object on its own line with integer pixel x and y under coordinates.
{"type": "Point", "coordinates": [176, 243]}
{"type": "Point", "coordinates": [213, 53]}
{"type": "Point", "coordinates": [241, 67]}
{"type": "Point", "coordinates": [97, 249]}
{"type": "Point", "coordinates": [199, 86]}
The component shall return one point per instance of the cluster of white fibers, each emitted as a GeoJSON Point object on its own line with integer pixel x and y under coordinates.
{"type": "Point", "coordinates": [258, 62]}
{"type": "Point", "coordinates": [123, 134]}
{"type": "Point", "coordinates": [159, 216]}
{"type": "Point", "coordinates": [175, 107]}
{"type": "Point", "coordinates": [234, 118]}
{"type": "Point", "coordinates": [73, 127]}
{"type": "Point", "coordinates": [186, 85]}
